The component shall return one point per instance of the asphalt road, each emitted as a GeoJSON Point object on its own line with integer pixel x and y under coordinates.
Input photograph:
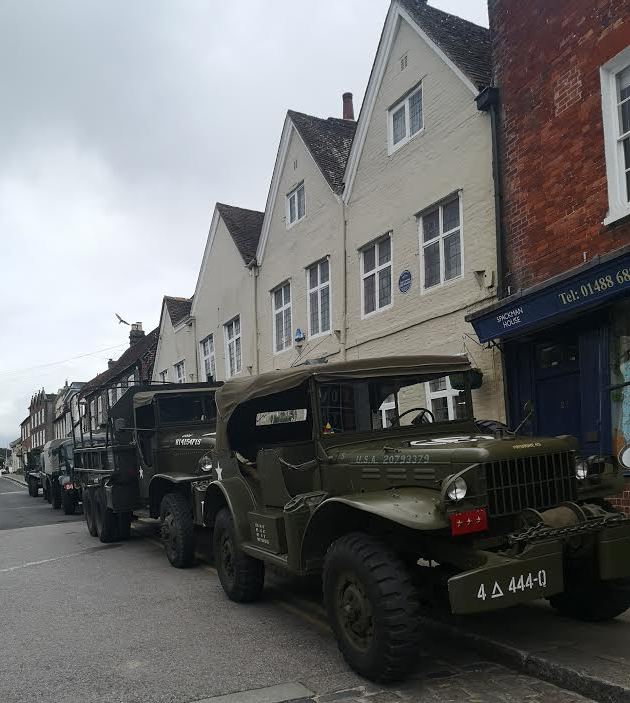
{"type": "Point", "coordinates": [82, 621]}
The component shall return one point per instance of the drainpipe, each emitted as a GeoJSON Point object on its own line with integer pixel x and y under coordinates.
{"type": "Point", "coordinates": [193, 322]}
{"type": "Point", "coordinates": [253, 268]}
{"type": "Point", "coordinates": [488, 101]}
{"type": "Point", "coordinates": [344, 286]}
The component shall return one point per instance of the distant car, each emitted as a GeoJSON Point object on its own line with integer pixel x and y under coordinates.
{"type": "Point", "coordinates": [3, 470]}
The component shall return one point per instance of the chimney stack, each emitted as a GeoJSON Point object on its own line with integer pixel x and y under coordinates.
{"type": "Point", "coordinates": [110, 363]}
{"type": "Point", "coordinates": [136, 333]}
{"type": "Point", "coordinates": [348, 107]}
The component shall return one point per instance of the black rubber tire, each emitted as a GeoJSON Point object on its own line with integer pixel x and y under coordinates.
{"type": "Point", "coordinates": [67, 503]}
{"type": "Point", "coordinates": [46, 490]}
{"type": "Point", "coordinates": [33, 491]}
{"type": "Point", "coordinates": [177, 530]}
{"type": "Point", "coordinates": [603, 600]}
{"type": "Point", "coordinates": [359, 565]}
{"type": "Point", "coordinates": [88, 511]}
{"type": "Point", "coordinates": [106, 519]}
{"type": "Point", "coordinates": [55, 495]}
{"type": "Point", "coordinates": [124, 526]}
{"type": "Point", "coordinates": [241, 576]}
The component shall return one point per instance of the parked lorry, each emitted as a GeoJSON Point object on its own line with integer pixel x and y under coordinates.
{"type": "Point", "coordinates": [308, 475]}
{"type": "Point", "coordinates": [57, 460]}
{"type": "Point", "coordinates": [152, 463]}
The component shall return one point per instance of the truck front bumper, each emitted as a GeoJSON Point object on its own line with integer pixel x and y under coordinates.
{"type": "Point", "coordinates": [538, 570]}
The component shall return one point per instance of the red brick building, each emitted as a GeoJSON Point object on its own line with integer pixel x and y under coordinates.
{"type": "Point", "coordinates": [561, 102]}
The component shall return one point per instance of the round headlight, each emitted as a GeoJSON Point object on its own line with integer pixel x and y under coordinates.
{"type": "Point", "coordinates": [457, 489]}
{"type": "Point", "coordinates": [205, 463]}
{"type": "Point", "coordinates": [581, 469]}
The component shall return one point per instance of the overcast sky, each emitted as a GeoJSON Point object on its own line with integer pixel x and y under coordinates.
{"type": "Point", "coordinates": [121, 124]}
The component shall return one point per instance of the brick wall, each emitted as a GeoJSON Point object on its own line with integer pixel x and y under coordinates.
{"type": "Point", "coordinates": [622, 502]}
{"type": "Point", "coordinates": [547, 57]}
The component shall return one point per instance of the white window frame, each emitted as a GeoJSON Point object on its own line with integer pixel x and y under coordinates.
{"type": "Point", "coordinates": [164, 376]}
{"type": "Point", "coordinates": [449, 393]}
{"type": "Point", "coordinates": [385, 406]}
{"type": "Point", "coordinates": [377, 268]}
{"type": "Point", "coordinates": [618, 204]}
{"type": "Point", "coordinates": [294, 194]}
{"type": "Point", "coordinates": [177, 367]}
{"type": "Point", "coordinates": [440, 238]}
{"type": "Point", "coordinates": [131, 380]}
{"type": "Point", "coordinates": [231, 339]}
{"type": "Point", "coordinates": [404, 102]}
{"type": "Point", "coordinates": [274, 312]}
{"type": "Point", "coordinates": [209, 357]}
{"type": "Point", "coordinates": [318, 291]}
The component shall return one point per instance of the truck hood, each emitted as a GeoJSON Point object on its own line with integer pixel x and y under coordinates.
{"type": "Point", "coordinates": [447, 448]}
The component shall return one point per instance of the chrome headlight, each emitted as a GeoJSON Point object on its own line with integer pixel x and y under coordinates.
{"type": "Point", "coordinates": [457, 489]}
{"type": "Point", "coordinates": [581, 469]}
{"type": "Point", "coordinates": [205, 463]}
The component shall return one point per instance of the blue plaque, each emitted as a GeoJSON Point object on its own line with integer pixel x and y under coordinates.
{"type": "Point", "coordinates": [404, 281]}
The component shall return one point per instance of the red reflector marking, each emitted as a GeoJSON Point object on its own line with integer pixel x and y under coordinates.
{"type": "Point", "coordinates": [68, 486]}
{"type": "Point", "coordinates": [468, 521]}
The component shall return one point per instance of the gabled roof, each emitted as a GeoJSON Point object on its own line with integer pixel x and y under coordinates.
{"type": "Point", "coordinates": [244, 227]}
{"type": "Point", "coordinates": [465, 43]}
{"type": "Point", "coordinates": [463, 46]}
{"type": "Point", "coordinates": [329, 141]}
{"type": "Point", "coordinates": [143, 350]}
{"type": "Point", "coordinates": [178, 308]}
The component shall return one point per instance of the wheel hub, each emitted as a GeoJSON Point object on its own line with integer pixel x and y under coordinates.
{"type": "Point", "coordinates": [168, 534]}
{"type": "Point", "coordinates": [355, 612]}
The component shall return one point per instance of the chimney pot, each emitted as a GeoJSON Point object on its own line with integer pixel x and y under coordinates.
{"type": "Point", "coordinates": [136, 333]}
{"type": "Point", "coordinates": [348, 107]}
{"type": "Point", "coordinates": [110, 363]}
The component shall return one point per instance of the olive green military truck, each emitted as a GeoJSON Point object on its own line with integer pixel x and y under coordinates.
{"type": "Point", "coordinates": [376, 474]}
{"type": "Point", "coordinates": [151, 462]}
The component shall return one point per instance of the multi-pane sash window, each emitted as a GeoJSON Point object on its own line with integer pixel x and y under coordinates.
{"type": "Point", "coordinates": [444, 402]}
{"type": "Point", "coordinates": [233, 346]}
{"type": "Point", "coordinates": [295, 204]}
{"type": "Point", "coordinates": [207, 354]}
{"type": "Point", "coordinates": [281, 298]}
{"type": "Point", "coordinates": [180, 372]}
{"type": "Point", "coordinates": [318, 279]}
{"type": "Point", "coordinates": [623, 108]}
{"type": "Point", "coordinates": [376, 274]}
{"type": "Point", "coordinates": [406, 119]}
{"type": "Point", "coordinates": [441, 243]}
{"type": "Point", "coordinates": [164, 376]}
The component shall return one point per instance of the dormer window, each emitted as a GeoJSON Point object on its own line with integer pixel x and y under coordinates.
{"type": "Point", "coordinates": [295, 205]}
{"type": "Point", "coordinates": [405, 119]}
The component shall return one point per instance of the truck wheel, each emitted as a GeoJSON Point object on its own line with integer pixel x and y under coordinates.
{"type": "Point", "coordinates": [106, 519]}
{"type": "Point", "coordinates": [67, 503]}
{"type": "Point", "coordinates": [88, 510]}
{"type": "Point", "coordinates": [178, 530]}
{"type": "Point", "coordinates": [55, 496]}
{"type": "Point", "coordinates": [372, 606]}
{"type": "Point", "coordinates": [32, 488]}
{"type": "Point", "coordinates": [124, 526]}
{"type": "Point", "coordinates": [603, 600]}
{"type": "Point", "coordinates": [46, 490]}
{"type": "Point", "coordinates": [241, 576]}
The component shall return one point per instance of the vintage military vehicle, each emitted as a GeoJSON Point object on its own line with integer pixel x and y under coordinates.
{"type": "Point", "coordinates": [57, 457]}
{"type": "Point", "coordinates": [376, 474]}
{"type": "Point", "coordinates": [32, 472]}
{"type": "Point", "coordinates": [151, 462]}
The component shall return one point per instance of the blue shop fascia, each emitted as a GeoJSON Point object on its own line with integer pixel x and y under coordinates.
{"type": "Point", "coordinates": [566, 348]}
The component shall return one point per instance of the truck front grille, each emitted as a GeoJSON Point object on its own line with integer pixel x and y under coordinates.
{"type": "Point", "coordinates": [538, 482]}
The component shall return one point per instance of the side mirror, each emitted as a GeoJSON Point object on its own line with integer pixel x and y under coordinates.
{"type": "Point", "coordinates": [624, 456]}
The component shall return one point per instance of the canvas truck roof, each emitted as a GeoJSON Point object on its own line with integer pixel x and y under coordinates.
{"type": "Point", "coordinates": [240, 390]}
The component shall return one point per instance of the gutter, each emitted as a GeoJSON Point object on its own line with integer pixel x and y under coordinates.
{"type": "Point", "coordinates": [254, 269]}
{"type": "Point", "coordinates": [488, 101]}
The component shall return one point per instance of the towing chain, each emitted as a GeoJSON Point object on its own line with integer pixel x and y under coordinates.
{"type": "Point", "coordinates": [540, 532]}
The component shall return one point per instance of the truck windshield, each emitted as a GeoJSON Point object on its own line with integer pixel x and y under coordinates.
{"type": "Point", "coordinates": [375, 404]}
{"type": "Point", "coordinates": [178, 409]}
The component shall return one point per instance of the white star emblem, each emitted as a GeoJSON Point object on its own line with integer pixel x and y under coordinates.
{"type": "Point", "coordinates": [141, 473]}
{"type": "Point", "coordinates": [219, 471]}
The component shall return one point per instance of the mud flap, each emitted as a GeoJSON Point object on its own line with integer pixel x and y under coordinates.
{"type": "Point", "coordinates": [505, 581]}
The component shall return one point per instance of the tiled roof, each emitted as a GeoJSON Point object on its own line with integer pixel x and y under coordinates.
{"type": "Point", "coordinates": [329, 141]}
{"type": "Point", "coordinates": [143, 351]}
{"type": "Point", "coordinates": [465, 43]}
{"type": "Point", "coordinates": [244, 227]}
{"type": "Point", "coordinates": [178, 308]}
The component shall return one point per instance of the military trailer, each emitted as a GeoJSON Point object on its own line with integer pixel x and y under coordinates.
{"type": "Point", "coordinates": [359, 471]}
{"type": "Point", "coordinates": [152, 464]}
{"type": "Point", "coordinates": [32, 472]}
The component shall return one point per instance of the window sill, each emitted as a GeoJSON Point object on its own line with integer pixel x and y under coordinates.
{"type": "Point", "coordinates": [614, 216]}
{"type": "Point", "coordinates": [319, 335]}
{"type": "Point", "coordinates": [296, 222]}
{"type": "Point", "coordinates": [367, 316]}
{"type": "Point", "coordinates": [282, 351]}
{"type": "Point", "coordinates": [391, 149]}
{"type": "Point", "coordinates": [440, 286]}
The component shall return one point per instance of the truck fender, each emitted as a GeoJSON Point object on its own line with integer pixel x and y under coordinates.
{"type": "Point", "coordinates": [414, 508]}
{"type": "Point", "coordinates": [161, 484]}
{"type": "Point", "coordinates": [235, 495]}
